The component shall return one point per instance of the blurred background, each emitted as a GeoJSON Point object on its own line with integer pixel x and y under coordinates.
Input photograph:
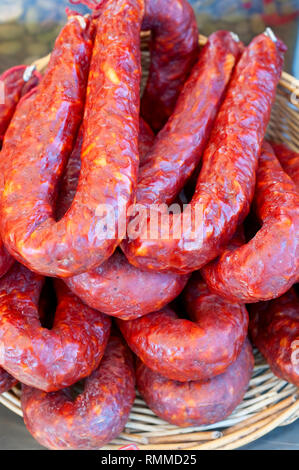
{"type": "Point", "coordinates": [28, 28]}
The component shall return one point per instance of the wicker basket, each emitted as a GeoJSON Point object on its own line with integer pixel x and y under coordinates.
{"type": "Point", "coordinates": [269, 401]}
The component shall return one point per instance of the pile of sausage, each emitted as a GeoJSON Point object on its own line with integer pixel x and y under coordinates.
{"type": "Point", "coordinates": [80, 137]}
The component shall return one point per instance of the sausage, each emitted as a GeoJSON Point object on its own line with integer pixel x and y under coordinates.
{"type": "Point", "coordinates": [116, 287]}
{"type": "Point", "coordinates": [145, 141]}
{"type": "Point", "coordinates": [119, 289]}
{"type": "Point", "coordinates": [178, 148]}
{"type": "Point", "coordinates": [226, 183]}
{"type": "Point", "coordinates": [268, 265]}
{"type": "Point", "coordinates": [289, 161]}
{"type": "Point", "coordinates": [196, 403]}
{"type": "Point", "coordinates": [12, 135]}
{"type": "Point", "coordinates": [274, 329]}
{"type": "Point", "coordinates": [184, 350]}
{"type": "Point", "coordinates": [15, 82]}
{"type": "Point", "coordinates": [97, 415]}
{"type": "Point", "coordinates": [42, 358]}
{"type": "Point", "coordinates": [6, 381]}
{"type": "Point", "coordinates": [75, 244]}
{"type": "Point", "coordinates": [70, 178]}
{"type": "Point", "coordinates": [174, 50]}
{"type": "Point", "coordinates": [14, 113]}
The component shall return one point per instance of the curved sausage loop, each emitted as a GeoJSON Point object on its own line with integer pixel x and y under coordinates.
{"type": "Point", "coordinates": [16, 82]}
{"type": "Point", "coordinates": [12, 137]}
{"type": "Point", "coordinates": [185, 350]}
{"type": "Point", "coordinates": [70, 178]}
{"type": "Point", "coordinates": [173, 49]}
{"type": "Point", "coordinates": [268, 265]}
{"type": "Point", "coordinates": [196, 403]}
{"type": "Point", "coordinates": [226, 182]}
{"type": "Point", "coordinates": [116, 287]}
{"type": "Point", "coordinates": [274, 329]}
{"type": "Point", "coordinates": [97, 415]}
{"type": "Point", "coordinates": [7, 381]}
{"type": "Point", "coordinates": [289, 161]}
{"type": "Point", "coordinates": [78, 242]}
{"type": "Point", "coordinates": [119, 289]}
{"type": "Point", "coordinates": [42, 358]}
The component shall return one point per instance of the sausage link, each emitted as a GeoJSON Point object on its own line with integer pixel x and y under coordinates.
{"type": "Point", "coordinates": [116, 287]}
{"type": "Point", "coordinates": [268, 265]}
{"type": "Point", "coordinates": [15, 83]}
{"type": "Point", "coordinates": [6, 381]}
{"type": "Point", "coordinates": [95, 416]}
{"type": "Point", "coordinates": [119, 289]}
{"type": "Point", "coordinates": [289, 161]}
{"type": "Point", "coordinates": [196, 403]}
{"type": "Point", "coordinates": [70, 178]}
{"type": "Point", "coordinates": [174, 50]}
{"type": "Point", "coordinates": [109, 153]}
{"type": "Point", "coordinates": [145, 141]}
{"type": "Point", "coordinates": [184, 350]}
{"type": "Point", "coordinates": [274, 328]}
{"type": "Point", "coordinates": [226, 183]}
{"type": "Point", "coordinates": [12, 135]}
{"type": "Point", "coordinates": [42, 358]}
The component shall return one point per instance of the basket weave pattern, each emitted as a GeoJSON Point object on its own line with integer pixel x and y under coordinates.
{"type": "Point", "coordinates": [269, 402]}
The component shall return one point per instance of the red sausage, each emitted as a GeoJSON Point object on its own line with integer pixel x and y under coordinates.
{"type": "Point", "coordinates": [109, 153]}
{"type": "Point", "coordinates": [42, 358]}
{"type": "Point", "coordinates": [116, 287]}
{"type": "Point", "coordinates": [15, 83]}
{"type": "Point", "coordinates": [6, 381]}
{"type": "Point", "coordinates": [119, 289]}
{"type": "Point", "coordinates": [225, 186]}
{"type": "Point", "coordinates": [185, 350]}
{"type": "Point", "coordinates": [58, 421]}
{"type": "Point", "coordinates": [268, 265]}
{"type": "Point", "coordinates": [174, 50]}
{"type": "Point", "coordinates": [289, 161]}
{"type": "Point", "coordinates": [196, 403]}
{"type": "Point", "coordinates": [70, 178]}
{"type": "Point", "coordinates": [274, 328]}
{"type": "Point", "coordinates": [12, 137]}
{"type": "Point", "coordinates": [145, 141]}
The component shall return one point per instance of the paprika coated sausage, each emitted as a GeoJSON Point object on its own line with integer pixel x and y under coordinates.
{"type": "Point", "coordinates": [145, 140]}
{"type": "Point", "coordinates": [196, 403]}
{"type": "Point", "coordinates": [289, 161]}
{"type": "Point", "coordinates": [109, 150]}
{"type": "Point", "coordinates": [42, 358]}
{"type": "Point", "coordinates": [274, 329]}
{"type": "Point", "coordinates": [268, 265]}
{"type": "Point", "coordinates": [12, 136]}
{"type": "Point", "coordinates": [97, 415]}
{"type": "Point", "coordinates": [173, 48]}
{"type": "Point", "coordinates": [184, 350]}
{"type": "Point", "coordinates": [119, 289]}
{"type": "Point", "coordinates": [70, 178]}
{"type": "Point", "coordinates": [116, 287]}
{"type": "Point", "coordinates": [15, 82]}
{"type": "Point", "coordinates": [226, 182]}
